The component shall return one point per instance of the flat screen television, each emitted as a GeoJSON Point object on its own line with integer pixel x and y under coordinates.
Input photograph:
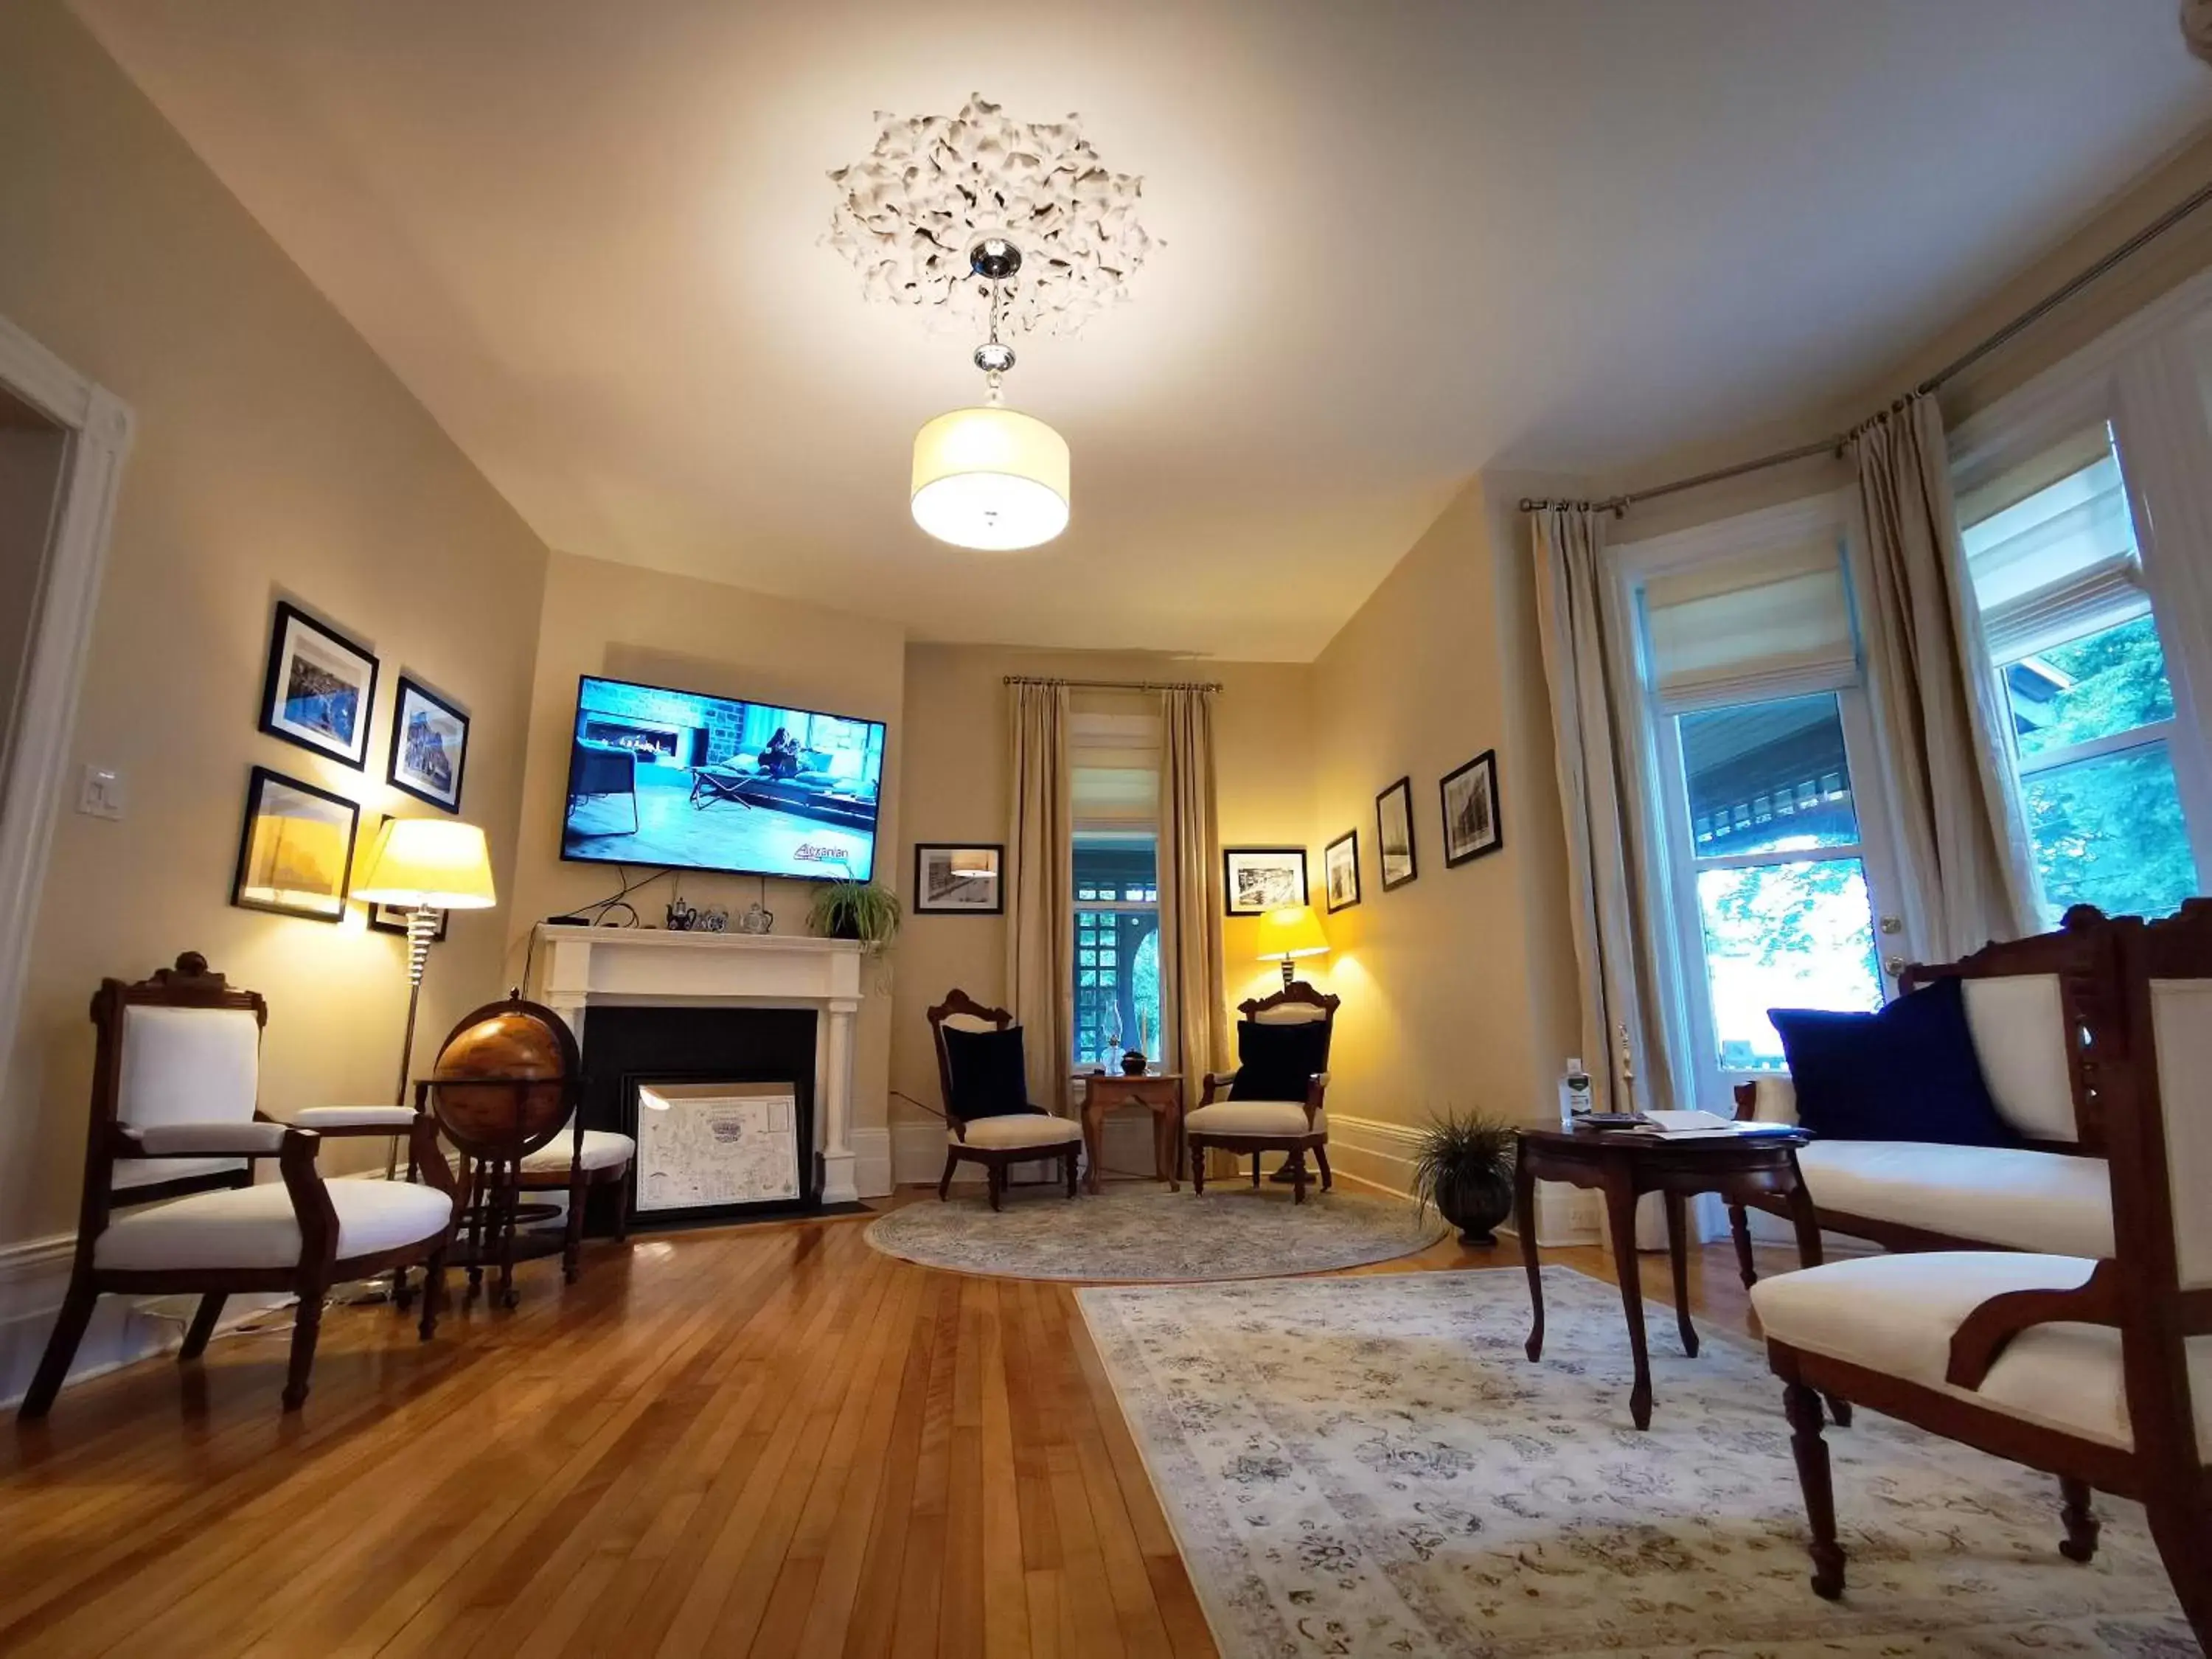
{"type": "Point", "coordinates": [683, 780]}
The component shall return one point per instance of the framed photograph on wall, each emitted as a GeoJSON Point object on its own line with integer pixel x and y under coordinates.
{"type": "Point", "coordinates": [1472, 826]}
{"type": "Point", "coordinates": [1394, 833]}
{"type": "Point", "coordinates": [1257, 879]}
{"type": "Point", "coordinates": [295, 852]}
{"type": "Point", "coordinates": [429, 741]}
{"type": "Point", "coordinates": [1339, 867]}
{"type": "Point", "coordinates": [320, 688]}
{"type": "Point", "coordinates": [959, 881]}
{"type": "Point", "coordinates": [392, 919]}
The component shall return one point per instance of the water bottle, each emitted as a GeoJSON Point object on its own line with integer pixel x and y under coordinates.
{"type": "Point", "coordinates": [1574, 1095]}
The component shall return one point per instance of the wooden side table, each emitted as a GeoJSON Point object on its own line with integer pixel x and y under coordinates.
{"type": "Point", "coordinates": [1159, 1093]}
{"type": "Point", "coordinates": [1624, 1166]}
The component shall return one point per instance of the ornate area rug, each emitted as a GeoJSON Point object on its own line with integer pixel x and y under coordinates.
{"type": "Point", "coordinates": [1371, 1465]}
{"type": "Point", "coordinates": [1149, 1235]}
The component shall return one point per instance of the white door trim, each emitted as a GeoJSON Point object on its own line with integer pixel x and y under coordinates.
{"type": "Point", "coordinates": [99, 430]}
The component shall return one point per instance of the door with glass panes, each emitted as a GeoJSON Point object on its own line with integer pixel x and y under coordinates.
{"type": "Point", "coordinates": [1775, 836]}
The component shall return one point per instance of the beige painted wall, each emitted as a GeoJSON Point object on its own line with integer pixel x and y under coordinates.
{"type": "Point", "coordinates": [1459, 988]}
{"type": "Point", "coordinates": [955, 758]}
{"type": "Point", "coordinates": [274, 454]}
{"type": "Point", "coordinates": [635, 624]}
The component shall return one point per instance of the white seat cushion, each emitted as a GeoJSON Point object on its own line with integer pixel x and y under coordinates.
{"type": "Point", "coordinates": [2024, 1200]}
{"type": "Point", "coordinates": [1019, 1129]}
{"type": "Point", "coordinates": [1253, 1117]}
{"type": "Point", "coordinates": [1897, 1315]}
{"type": "Point", "coordinates": [603, 1149]}
{"type": "Point", "coordinates": [398, 1119]}
{"type": "Point", "coordinates": [255, 1226]}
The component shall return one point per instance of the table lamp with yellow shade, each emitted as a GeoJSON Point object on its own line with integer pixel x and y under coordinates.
{"type": "Point", "coordinates": [1288, 933]}
{"type": "Point", "coordinates": [424, 865]}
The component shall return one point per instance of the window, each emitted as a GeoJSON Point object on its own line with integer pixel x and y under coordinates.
{"type": "Point", "coordinates": [1759, 744]}
{"type": "Point", "coordinates": [2087, 703]}
{"type": "Point", "coordinates": [1114, 791]}
{"type": "Point", "coordinates": [1117, 945]}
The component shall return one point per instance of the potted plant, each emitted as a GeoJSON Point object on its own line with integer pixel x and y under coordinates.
{"type": "Point", "coordinates": [1465, 1169]}
{"type": "Point", "coordinates": [856, 909]}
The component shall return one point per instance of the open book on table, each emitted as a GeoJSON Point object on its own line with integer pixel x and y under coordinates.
{"type": "Point", "coordinates": [1698, 1125]}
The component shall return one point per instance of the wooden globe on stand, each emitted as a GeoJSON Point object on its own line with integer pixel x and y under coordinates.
{"type": "Point", "coordinates": [505, 1084]}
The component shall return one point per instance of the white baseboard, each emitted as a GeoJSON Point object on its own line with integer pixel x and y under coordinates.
{"type": "Point", "coordinates": [871, 1162]}
{"type": "Point", "coordinates": [34, 1276]}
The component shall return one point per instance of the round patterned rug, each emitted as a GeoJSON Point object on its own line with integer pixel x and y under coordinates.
{"type": "Point", "coordinates": [1146, 1235]}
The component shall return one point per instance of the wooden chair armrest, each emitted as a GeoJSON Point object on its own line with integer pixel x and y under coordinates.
{"type": "Point", "coordinates": [229, 1138]}
{"type": "Point", "coordinates": [1747, 1102]}
{"type": "Point", "coordinates": [1980, 1341]}
{"type": "Point", "coordinates": [430, 1161]}
{"type": "Point", "coordinates": [337, 1121]}
{"type": "Point", "coordinates": [1215, 1081]}
{"type": "Point", "coordinates": [1316, 1093]}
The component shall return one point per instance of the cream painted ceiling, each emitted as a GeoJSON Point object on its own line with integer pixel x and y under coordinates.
{"type": "Point", "coordinates": [1403, 243]}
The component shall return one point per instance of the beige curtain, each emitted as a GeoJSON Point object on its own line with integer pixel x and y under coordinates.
{"type": "Point", "coordinates": [1609, 868]}
{"type": "Point", "coordinates": [1962, 850]}
{"type": "Point", "coordinates": [1041, 890]}
{"type": "Point", "coordinates": [1191, 993]}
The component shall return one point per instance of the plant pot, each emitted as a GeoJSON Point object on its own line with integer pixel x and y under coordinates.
{"type": "Point", "coordinates": [1133, 1063]}
{"type": "Point", "coordinates": [1475, 1201]}
{"type": "Point", "coordinates": [848, 925]}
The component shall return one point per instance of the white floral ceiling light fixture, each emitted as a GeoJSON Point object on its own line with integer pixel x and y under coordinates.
{"type": "Point", "coordinates": [1020, 226]}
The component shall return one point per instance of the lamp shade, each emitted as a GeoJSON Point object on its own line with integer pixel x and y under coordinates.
{"type": "Point", "coordinates": [440, 862]}
{"type": "Point", "coordinates": [1292, 931]}
{"type": "Point", "coordinates": [992, 479]}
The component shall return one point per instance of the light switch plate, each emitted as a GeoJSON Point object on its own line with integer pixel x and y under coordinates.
{"type": "Point", "coordinates": [99, 792]}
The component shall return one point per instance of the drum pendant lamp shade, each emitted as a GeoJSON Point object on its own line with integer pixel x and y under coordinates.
{"type": "Point", "coordinates": [992, 479]}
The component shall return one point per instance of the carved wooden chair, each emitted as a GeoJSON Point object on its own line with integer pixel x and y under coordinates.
{"type": "Point", "coordinates": [1275, 1100]}
{"type": "Point", "coordinates": [175, 1125]}
{"type": "Point", "coordinates": [576, 1160]}
{"type": "Point", "coordinates": [2099, 1371]}
{"type": "Point", "coordinates": [987, 1112]}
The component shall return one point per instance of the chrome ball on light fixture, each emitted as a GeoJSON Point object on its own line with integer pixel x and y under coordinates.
{"type": "Point", "coordinates": [991, 478]}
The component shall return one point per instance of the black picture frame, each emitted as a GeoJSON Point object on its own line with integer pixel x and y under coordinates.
{"type": "Point", "coordinates": [340, 732]}
{"type": "Point", "coordinates": [922, 904]}
{"type": "Point", "coordinates": [1232, 906]}
{"type": "Point", "coordinates": [1329, 872]}
{"type": "Point", "coordinates": [1402, 792]}
{"type": "Point", "coordinates": [259, 804]}
{"type": "Point", "coordinates": [410, 769]}
{"type": "Point", "coordinates": [1483, 834]}
{"type": "Point", "coordinates": [392, 919]}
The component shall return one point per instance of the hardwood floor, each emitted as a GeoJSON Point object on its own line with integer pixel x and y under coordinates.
{"type": "Point", "coordinates": [765, 1440]}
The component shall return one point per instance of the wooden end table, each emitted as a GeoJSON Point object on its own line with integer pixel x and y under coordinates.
{"type": "Point", "coordinates": [1159, 1093]}
{"type": "Point", "coordinates": [1624, 1166]}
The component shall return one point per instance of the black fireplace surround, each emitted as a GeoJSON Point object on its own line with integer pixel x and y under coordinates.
{"type": "Point", "coordinates": [625, 1046]}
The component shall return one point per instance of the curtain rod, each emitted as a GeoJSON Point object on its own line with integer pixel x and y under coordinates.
{"type": "Point", "coordinates": [1116, 685]}
{"type": "Point", "coordinates": [1965, 361]}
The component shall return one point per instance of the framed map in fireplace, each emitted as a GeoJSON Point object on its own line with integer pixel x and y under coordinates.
{"type": "Point", "coordinates": [722, 1147]}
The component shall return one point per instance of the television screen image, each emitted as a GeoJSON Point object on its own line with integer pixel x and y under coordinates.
{"type": "Point", "coordinates": [678, 778]}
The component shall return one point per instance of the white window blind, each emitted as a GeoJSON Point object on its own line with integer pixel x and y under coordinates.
{"type": "Point", "coordinates": [1765, 625]}
{"type": "Point", "coordinates": [2052, 548]}
{"type": "Point", "coordinates": [1115, 767]}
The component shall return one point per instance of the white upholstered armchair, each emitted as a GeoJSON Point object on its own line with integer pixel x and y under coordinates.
{"type": "Point", "coordinates": [989, 1117]}
{"type": "Point", "coordinates": [1277, 1099]}
{"type": "Point", "coordinates": [175, 1133]}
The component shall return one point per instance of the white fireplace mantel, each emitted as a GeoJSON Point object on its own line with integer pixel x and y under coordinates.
{"type": "Point", "coordinates": [574, 968]}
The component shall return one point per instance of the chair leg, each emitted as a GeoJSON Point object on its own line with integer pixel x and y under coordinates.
{"type": "Point", "coordinates": [994, 1179]}
{"type": "Point", "coordinates": [433, 1293]}
{"type": "Point", "coordinates": [306, 1326]}
{"type": "Point", "coordinates": [1804, 1407]}
{"type": "Point", "coordinates": [1740, 1231]}
{"type": "Point", "coordinates": [61, 1348]}
{"type": "Point", "coordinates": [2081, 1527]}
{"type": "Point", "coordinates": [622, 1205]}
{"type": "Point", "coordinates": [945, 1182]}
{"type": "Point", "coordinates": [572, 1240]}
{"type": "Point", "coordinates": [2182, 1528]}
{"type": "Point", "coordinates": [1255, 1170]}
{"type": "Point", "coordinates": [403, 1293]}
{"type": "Point", "coordinates": [1197, 1168]}
{"type": "Point", "coordinates": [1321, 1158]}
{"type": "Point", "coordinates": [202, 1325]}
{"type": "Point", "coordinates": [1068, 1158]}
{"type": "Point", "coordinates": [1298, 1178]}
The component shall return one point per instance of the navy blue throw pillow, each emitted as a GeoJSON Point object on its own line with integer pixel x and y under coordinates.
{"type": "Point", "coordinates": [1275, 1062]}
{"type": "Point", "coordinates": [1906, 1073]}
{"type": "Point", "coordinates": [989, 1078]}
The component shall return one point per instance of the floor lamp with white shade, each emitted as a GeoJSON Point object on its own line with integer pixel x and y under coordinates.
{"type": "Point", "coordinates": [424, 865]}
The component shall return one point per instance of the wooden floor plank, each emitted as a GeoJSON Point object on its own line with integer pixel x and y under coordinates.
{"type": "Point", "coordinates": [762, 1438]}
